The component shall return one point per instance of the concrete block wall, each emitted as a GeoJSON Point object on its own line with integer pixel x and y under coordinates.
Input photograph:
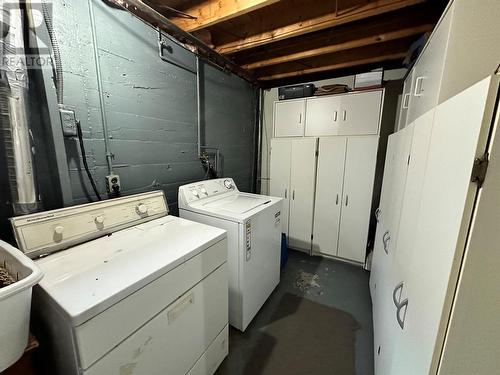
{"type": "Point", "coordinates": [150, 105]}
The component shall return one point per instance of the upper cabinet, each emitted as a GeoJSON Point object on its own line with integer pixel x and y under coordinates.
{"type": "Point", "coordinates": [427, 74]}
{"type": "Point", "coordinates": [360, 113]}
{"type": "Point", "coordinates": [323, 116]}
{"type": "Point", "coordinates": [348, 114]}
{"type": "Point", "coordinates": [405, 101]}
{"type": "Point", "coordinates": [345, 114]}
{"type": "Point", "coordinates": [462, 50]}
{"type": "Point", "coordinates": [289, 118]}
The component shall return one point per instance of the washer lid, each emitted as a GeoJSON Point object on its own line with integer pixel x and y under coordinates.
{"type": "Point", "coordinates": [238, 203]}
{"type": "Point", "coordinates": [89, 278]}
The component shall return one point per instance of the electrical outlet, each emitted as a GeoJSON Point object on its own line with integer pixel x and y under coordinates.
{"type": "Point", "coordinates": [68, 120]}
{"type": "Point", "coordinates": [113, 184]}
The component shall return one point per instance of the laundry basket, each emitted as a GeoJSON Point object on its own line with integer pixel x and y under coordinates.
{"type": "Point", "coordinates": [15, 303]}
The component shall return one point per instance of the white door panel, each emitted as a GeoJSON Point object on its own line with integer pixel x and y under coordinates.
{"type": "Point", "coordinates": [281, 153]}
{"type": "Point", "coordinates": [323, 116]}
{"type": "Point", "coordinates": [289, 118]}
{"type": "Point", "coordinates": [405, 101]}
{"type": "Point", "coordinates": [428, 72]}
{"type": "Point", "coordinates": [360, 113]}
{"type": "Point", "coordinates": [302, 187]}
{"type": "Point", "coordinates": [329, 193]}
{"type": "Point", "coordinates": [382, 212]}
{"type": "Point", "coordinates": [422, 133]}
{"type": "Point", "coordinates": [445, 211]}
{"type": "Point", "coordinates": [386, 238]}
{"type": "Point", "coordinates": [358, 189]}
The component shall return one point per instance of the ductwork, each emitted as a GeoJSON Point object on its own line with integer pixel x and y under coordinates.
{"type": "Point", "coordinates": [14, 111]}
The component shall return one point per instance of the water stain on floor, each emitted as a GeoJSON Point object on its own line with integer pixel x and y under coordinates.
{"type": "Point", "coordinates": [305, 280]}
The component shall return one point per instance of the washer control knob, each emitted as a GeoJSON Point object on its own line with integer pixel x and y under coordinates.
{"type": "Point", "coordinates": [195, 193]}
{"type": "Point", "coordinates": [59, 230]}
{"type": "Point", "coordinates": [99, 220]}
{"type": "Point", "coordinates": [228, 184]}
{"type": "Point", "coordinates": [142, 209]}
{"type": "Point", "coordinates": [204, 191]}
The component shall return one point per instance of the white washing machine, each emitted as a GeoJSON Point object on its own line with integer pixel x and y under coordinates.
{"type": "Point", "coordinates": [253, 225]}
{"type": "Point", "coordinates": [133, 291]}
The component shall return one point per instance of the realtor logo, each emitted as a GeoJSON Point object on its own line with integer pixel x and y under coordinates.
{"type": "Point", "coordinates": [22, 26]}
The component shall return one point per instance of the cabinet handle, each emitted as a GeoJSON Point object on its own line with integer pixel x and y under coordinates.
{"type": "Point", "coordinates": [401, 320]}
{"type": "Point", "coordinates": [418, 86]}
{"type": "Point", "coordinates": [344, 115]}
{"type": "Point", "coordinates": [286, 193]}
{"type": "Point", "coordinates": [293, 195]}
{"type": "Point", "coordinates": [406, 101]}
{"type": "Point", "coordinates": [337, 201]}
{"type": "Point", "coordinates": [347, 200]}
{"type": "Point", "coordinates": [335, 116]}
{"type": "Point", "coordinates": [182, 306]}
{"type": "Point", "coordinates": [386, 240]}
{"type": "Point", "coordinates": [300, 119]}
{"type": "Point", "coordinates": [399, 288]}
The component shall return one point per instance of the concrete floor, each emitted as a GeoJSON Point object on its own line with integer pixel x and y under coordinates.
{"type": "Point", "coordinates": [337, 285]}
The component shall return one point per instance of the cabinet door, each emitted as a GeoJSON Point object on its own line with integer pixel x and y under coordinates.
{"type": "Point", "coordinates": [422, 131]}
{"type": "Point", "coordinates": [303, 184]}
{"type": "Point", "coordinates": [281, 152]}
{"type": "Point", "coordinates": [428, 71]}
{"type": "Point", "coordinates": [323, 116]}
{"type": "Point", "coordinates": [379, 269]}
{"type": "Point", "coordinates": [360, 113]}
{"type": "Point", "coordinates": [361, 158]}
{"type": "Point", "coordinates": [289, 118]}
{"type": "Point", "coordinates": [405, 101]}
{"type": "Point", "coordinates": [390, 273]}
{"type": "Point", "coordinates": [447, 197]}
{"type": "Point", "coordinates": [329, 185]}
{"type": "Point", "coordinates": [385, 197]}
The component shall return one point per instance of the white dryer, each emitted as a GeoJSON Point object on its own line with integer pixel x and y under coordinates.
{"type": "Point", "coordinates": [253, 225]}
{"type": "Point", "coordinates": [133, 291]}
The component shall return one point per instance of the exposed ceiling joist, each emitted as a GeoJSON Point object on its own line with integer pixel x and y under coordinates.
{"type": "Point", "coordinates": [337, 66]}
{"type": "Point", "coordinates": [321, 22]}
{"type": "Point", "coordinates": [351, 44]}
{"type": "Point", "coordinates": [145, 12]}
{"type": "Point", "coordinates": [211, 12]}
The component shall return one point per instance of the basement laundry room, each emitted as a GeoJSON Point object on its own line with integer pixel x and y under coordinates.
{"type": "Point", "coordinates": [249, 187]}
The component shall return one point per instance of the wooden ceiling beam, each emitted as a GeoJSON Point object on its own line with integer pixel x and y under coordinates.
{"type": "Point", "coordinates": [322, 22]}
{"type": "Point", "coordinates": [211, 12]}
{"type": "Point", "coordinates": [332, 67]}
{"type": "Point", "coordinates": [362, 42]}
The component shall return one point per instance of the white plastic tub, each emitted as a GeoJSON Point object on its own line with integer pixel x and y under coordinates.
{"type": "Point", "coordinates": [15, 304]}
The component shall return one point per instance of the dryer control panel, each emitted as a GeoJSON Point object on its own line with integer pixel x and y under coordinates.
{"type": "Point", "coordinates": [205, 189]}
{"type": "Point", "coordinates": [46, 232]}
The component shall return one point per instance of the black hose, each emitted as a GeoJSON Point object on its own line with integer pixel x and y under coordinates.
{"type": "Point", "coordinates": [84, 157]}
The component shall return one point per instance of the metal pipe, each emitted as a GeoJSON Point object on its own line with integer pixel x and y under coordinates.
{"type": "Point", "coordinates": [259, 125]}
{"type": "Point", "coordinates": [198, 102]}
{"type": "Point", "coordinates": [14, 115]}
{"type": "Point", "coordinates": [104, 119]}
{"type": "Point", "coordinates": [148, 14]}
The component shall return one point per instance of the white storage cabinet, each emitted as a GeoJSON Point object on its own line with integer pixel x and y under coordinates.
{"type": "Point", "coordinates": [419, 314]}
{"type": "Point", "coordinates": [293, 171]}
{"type": "Point", "coordinates": [345, 114]}
{"type": "Point", "coordinates": [346, 171]}
{"type": "Point", "coordinates": [289, 118]}
{"type": "Point", "coordinates": [462, 50]}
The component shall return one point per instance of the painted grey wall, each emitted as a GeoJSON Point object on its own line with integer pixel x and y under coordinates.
{"type": "Point", "coordinates": [149, 104]}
